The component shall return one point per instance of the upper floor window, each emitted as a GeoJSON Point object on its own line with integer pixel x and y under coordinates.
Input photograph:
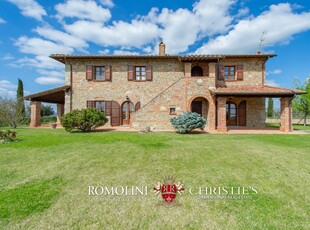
{"type": "Point", "coordinates": [197, 71]}
{"type": "Point", "coordinates": [229, 73]}
{"type": "Point", "coordinates": [99, 73]}
{"type": "Point", "coordinates": [140, 73]}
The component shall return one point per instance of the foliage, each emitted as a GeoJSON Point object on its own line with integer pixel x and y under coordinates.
{"type": "Point", "coordinates": [270, 108]}
{"type": "Point", "coordinates": [46, 110]}
{"type": "Point", "coordinates": [7, 136]}
{"type": "Point", "coordinates": [187, 122]}
{"type": "Point", "coordinates": [48, 120]}
{"type": "Point", "coordinates": [10, 114]}
{"type": "Point", "coordinates": [85, 119]}
{"type": "Point", "coordinates": [302, 102]}
{"type": "Point", "coordinates": [19, 97]}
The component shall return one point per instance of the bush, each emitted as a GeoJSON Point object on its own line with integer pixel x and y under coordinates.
{"type": "Point", "coordinates": [85, 119]}
{"type": "Point", "coordinates": [7, 136]}
{"type": "Point", "coordinates": [187, 122]}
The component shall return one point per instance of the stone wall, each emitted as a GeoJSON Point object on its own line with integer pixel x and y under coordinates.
{"type": "Point", "coordinates": [253, 71]}
{"type": "Point", "coordinates": [172, 86]}
{"type": "Point", "coordinates": [255, 110]}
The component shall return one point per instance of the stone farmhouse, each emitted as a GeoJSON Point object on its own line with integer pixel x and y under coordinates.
{"type": "Point", "coordinates": [142, 91]}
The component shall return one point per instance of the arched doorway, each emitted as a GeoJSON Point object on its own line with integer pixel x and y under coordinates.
{"type": "Point", "coordinates": [201, 106]}
{"type": "Point", "coordinates": [127, 110]}
{"type": "Point", "coordinates": [231, 114]}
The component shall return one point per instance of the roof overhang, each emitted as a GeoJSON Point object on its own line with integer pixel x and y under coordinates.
{"type": "Point", "coordinates": [254, 91]}
{"type": "Point", "coordinates": [56, 95]}
{"type": "Point", "coordinates": [184, 58]}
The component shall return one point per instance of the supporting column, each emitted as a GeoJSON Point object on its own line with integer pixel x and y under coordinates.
{"type": "Point", "coordinates": [60, 112]}
{"type": "Point", "coordinates": [35, 116]}
{"type": "Point", "coordinates": [286, 114]}
{"type": "Point", "coordinates": [221, 114]}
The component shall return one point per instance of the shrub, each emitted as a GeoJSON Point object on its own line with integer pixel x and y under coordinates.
{"type": "Point", "coordinates": [187, 122]}
{"type": "Point", "coordinates": [7, 136]}
{"type": "Point", "coordinates": [85, 119]}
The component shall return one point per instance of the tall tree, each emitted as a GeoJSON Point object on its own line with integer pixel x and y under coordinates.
{"type": "Point", "coordinates": [270, 108]}
{"type": "Point", "coordinates": [20, 99]}
{"type": "Point", "coordinates": [302, 102]}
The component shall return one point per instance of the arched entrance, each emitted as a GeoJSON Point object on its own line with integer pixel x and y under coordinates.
{"type": "Point", "coordinates": [127, 110]}
{"type": "Point", "coordinates": [201, 106]}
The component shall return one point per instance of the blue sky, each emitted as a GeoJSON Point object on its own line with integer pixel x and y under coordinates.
{"type": "Point", "coordinates": [31, 30]}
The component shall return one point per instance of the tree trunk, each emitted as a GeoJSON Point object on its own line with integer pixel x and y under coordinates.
{"type": "Point", "coordinates": [305, 120]}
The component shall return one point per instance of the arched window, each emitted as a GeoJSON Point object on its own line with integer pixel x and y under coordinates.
{"type": "Point", "coordinates": [197, 71]}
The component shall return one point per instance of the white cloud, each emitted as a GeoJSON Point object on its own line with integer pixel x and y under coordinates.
{"type": "Point", "coordinates": [47, 80]}
{"type": "Point", "coordinates": [180, 29]}
{"type": "Point", "coordinates": [108, 3]}
{"type": "Point", "coordinates": [81, 9]}
{"type": "Point", "coordinates": [213, 16]}
{"type": "Point", "coordinates": [53, 73]}
{"type": "Point", "coordinates": [274, 72]}
{"type": "Point", "coordinates": [272, 83]}
{"type": "Point", "coordinates": [42, 62]}
{"type": "Point", "coordinates": [30, 8]}
{"type": "Point", "coordinates": [7, 57]}
{"type": "Point", "coordinates": [134, 34]}
{"type": "Point", "coordinates": [124, 52]}
{"type": "Point", "coordinates": [61, 37]}
{"type": "Point", "coordinates": [279, 22]}
{"type": "Point", "coordinates": [2, 21]}
{"type": "Point", "coordinates": [39, 46]}
{"type": "Point", "coordinates": [8, 89]}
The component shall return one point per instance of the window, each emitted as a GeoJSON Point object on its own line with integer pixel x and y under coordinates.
{"type": "Point", "coordinates": [197, 71]}
{"type": "Point", "coordinates": [140, 73]}
{"type": "Point", "coordinates": [99, 73]}
{"type": "Point", "coordinates": [172, 111]}
{"type": "Point", "coordinates": [100, 105]}
{"type": "Point", "coordinates": [229, 73]}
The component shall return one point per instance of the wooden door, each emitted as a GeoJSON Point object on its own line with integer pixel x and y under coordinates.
{"type": "Point", "coordinates": [231, 114]}
{"type": "Point", "coordinates": [197, 107]}
{"type": "Point", "coordinates": [127, 110]}
{"type": "Point", "coordinates": [242, 113]}
{"type": "Point", "coordinates": [115, 114]}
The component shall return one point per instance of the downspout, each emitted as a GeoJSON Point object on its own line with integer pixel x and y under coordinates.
{"type": "Point", "coordinates": [264, 71]}
{"type": "Point", "coordinates": [71, 82]}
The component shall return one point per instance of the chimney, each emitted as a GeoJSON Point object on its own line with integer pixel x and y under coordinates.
{"type": "Point", "coordinates": [162, 49]}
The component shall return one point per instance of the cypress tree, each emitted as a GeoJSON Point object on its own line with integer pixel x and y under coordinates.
{"type": "Point", "coordinates": [270, 108]}
{"type": "Point", "coordinates": [20, 94]}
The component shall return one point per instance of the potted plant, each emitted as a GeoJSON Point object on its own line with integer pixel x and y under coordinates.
{"type": "Point", "coordinates": [53, 125]}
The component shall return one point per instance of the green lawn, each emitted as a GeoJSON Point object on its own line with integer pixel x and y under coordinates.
{"type": "Point", "coordinates": [299, 127]}
{"type": "Point", "coordinates": [44, 180]}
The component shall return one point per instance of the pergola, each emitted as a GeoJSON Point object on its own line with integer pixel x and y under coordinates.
{"type": "Point", "coordinates": [55, 96]}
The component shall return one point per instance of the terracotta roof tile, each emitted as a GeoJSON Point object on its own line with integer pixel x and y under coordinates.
{"type": "Point", "coordinates": [254, 91]}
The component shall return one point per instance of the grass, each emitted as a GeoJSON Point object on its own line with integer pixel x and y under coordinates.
{"type": "Point", "coordinates": [44, 180]}
{"type": "Point", "coordinates": [299, 127]}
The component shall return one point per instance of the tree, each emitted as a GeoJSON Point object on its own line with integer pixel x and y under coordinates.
{"type": "Point", "coordinates": [10, 112]}
{"type": "Point", "coordinates": [20, 99]}
{"type": "Point", "coordinates": [302, 102]}
{"type": "Point", "coordinates": [270, 108]}
{"type": "Point", "coordinates": [46, 110]}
